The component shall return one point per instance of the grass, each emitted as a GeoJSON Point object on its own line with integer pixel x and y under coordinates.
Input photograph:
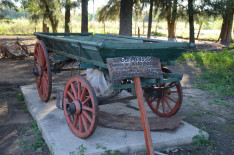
{"type": "Point", "coordinates": [220, 102]}
{"type": "Point", "coordinates": [26, 26]}
{"type": "Point", "coordinates": [107, 151]}
{"type": "Point", "coordinates": [20, 97]}
{"type": "Point", "coordinates": [200, 139]}
{"type": "Point", "coordinates": [37, 144]}
{"type": "Point", "coordinates": [218, 70]}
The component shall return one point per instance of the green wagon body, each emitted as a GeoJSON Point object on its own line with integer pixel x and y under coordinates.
{"type": "Point", "coordinates": [95, 48]}
{"type": "Point", "coordinates": [164, 95]}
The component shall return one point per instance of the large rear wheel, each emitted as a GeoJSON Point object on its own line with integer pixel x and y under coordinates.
{"type": "Point", "coordinates": [167, 102]}
{"type": "Point", "coordinates": [42, 71]}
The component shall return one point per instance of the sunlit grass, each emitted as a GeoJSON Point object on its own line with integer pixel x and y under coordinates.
{"type": "Point", "coordinates": [26, 26]}
{"type": "Point", "coordinates": [218, 70]}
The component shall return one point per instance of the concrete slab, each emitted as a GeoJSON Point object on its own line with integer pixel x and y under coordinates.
{"type": "Point", "coordinates": [61, 141]}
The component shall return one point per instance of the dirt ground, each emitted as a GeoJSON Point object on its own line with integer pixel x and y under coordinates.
{"type": "Point", "coordinates": [18, 134]}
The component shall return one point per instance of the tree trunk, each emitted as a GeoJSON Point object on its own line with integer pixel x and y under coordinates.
{"type": "Point", "coordinates": [191, 21]}
{"type": "Point", "coordinates": [171, 30]}
{"type": "Point", "coordinates": [53, 20]}
{"type": "Point", "coordinates": [126, 17]}
{"type": "Point", "coordinates": [199, 30]}
{"type": "Point", "coordinates": [44, 27]}
{"type": "Point", "coordinates": [135, 27]}
{"type": "Point", "coordinates": [143, 27]}
{"type": "Point", "coordinates": [84, 20]}
{"type": "Point", "coordinates": [67, 15]}
{"type": "Point", "coordinates": [226, 30]}
{"type": "Point", "coordinates": [171, 18]}
{"type": "Point", "coordinates": [150, 19]}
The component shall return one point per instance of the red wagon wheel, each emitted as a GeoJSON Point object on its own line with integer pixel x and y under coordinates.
{"type": "Point", "coordinates": [42, 71]}
{"type": "Point", "coordinates": [80, 107]}
{"type": "Point", "coordinates": [169, 101]}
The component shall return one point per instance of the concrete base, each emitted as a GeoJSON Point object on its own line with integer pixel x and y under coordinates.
{"type": "Point", "coordinates": [61, 141]}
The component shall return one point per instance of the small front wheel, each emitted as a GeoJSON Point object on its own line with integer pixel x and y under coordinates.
{"type": "Point", "coordinates": [80, 107]}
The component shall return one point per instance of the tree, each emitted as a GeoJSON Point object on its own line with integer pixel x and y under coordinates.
{"type": "Point", "coordinates": [44, 9]}
{"type": "Point", "coordinates": [191, 21]}
{"type": "Point", "coordinates": [226, 29]}
{"type": "Point", "coordinates": [112, 11]}
{"type": "Point", "coordinates": [84, 18]}
{"type": "Point", "coordinates": [150, 18]}
{"type": "Point", "coordinates": [67, 15]}
{"type": "Point", "coordinates": [6, 4]}
{"type": "Point", "coordinates": [168, 10]}
{"type": "Point", "coordinates": [126, 17]}
{"type": "Point", "coordinates": [68, 5]}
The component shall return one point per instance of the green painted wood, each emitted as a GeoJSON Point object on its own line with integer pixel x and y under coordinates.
{"type": "Point", "coordinates": [98, 47]}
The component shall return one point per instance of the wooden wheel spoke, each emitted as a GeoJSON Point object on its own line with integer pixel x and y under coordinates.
{"type": "Point", "coordinates": [170, 98]}
{"type": "Point", "coordinates": [87, 108]}
{"type": "Point", "coordinates": [163, 106]}
{"type": "Point", "coordinates": [168, 104]}
{"type": "Point", "coordinates": [80, 124]}
{"type": "Point", "coordinates": [45, 68]}
{"type": "Point", "coordinates": [158, 103]}
{"type": "Point", "coordinates": [74, 90]}
{"type": "Point", "coordinates": [70, 95]}
{"type": "Point", "coordinates": [75, 120]}
{"type": "Point", "coordinates": [84, 120]}
{"type": "Point", "coordinates": [171, 84]}
{"type": "Point", "coordinates": [87, 116]}
{"type": "Point", "coordinates": [79, 89]}
{"type": "Point", "coordinates": [83, 94]}
{"type": "Point", "coordinates": [86, 100]}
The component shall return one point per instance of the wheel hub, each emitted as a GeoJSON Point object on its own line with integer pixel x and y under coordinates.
{"type": "Point", "coordinates": [74, 108]}
{"type": "Point", "coordinates": [38, 71]}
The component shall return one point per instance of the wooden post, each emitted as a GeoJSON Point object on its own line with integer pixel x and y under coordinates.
{"type": "Point", "coordinates": [144, 118]}
{"type": "Point", "coordinates": [139, 35]}
{"type": "Point", "coordinates": [44, 28]}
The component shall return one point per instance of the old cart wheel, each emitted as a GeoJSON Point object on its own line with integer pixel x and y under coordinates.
{"type": "Point", "coordinates": [80, 107]}
{"type": "Point", "coordinates": [169, 101]}
{"type": "Point", "coordinates": [42, 71]}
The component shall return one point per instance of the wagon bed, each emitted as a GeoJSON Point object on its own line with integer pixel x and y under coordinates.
{"type": "Point", "coordinates": [95, 48]}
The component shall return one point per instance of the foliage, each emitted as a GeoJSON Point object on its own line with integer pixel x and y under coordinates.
{"type": "Point", "coordinates": [219, 70]}
{"type": "Point", "coordinates": [20, 97]}
{"type": "Point", "coordinates": [37, 144]}
{"type": "Point", "coordinates": [200, 140]}
{"type": "Point", "coordinates": [107, 151]}
{"type": "Point", "coordinates": [4, 6]}
{"type": "Point", "coordinates": [158, 33]}
{"type": "Point", "coordinates": [111, 11]}
{"type": "Point", "coordinates": [43, 9]}
{"type": "Point", "coordinates": [82, 149]}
